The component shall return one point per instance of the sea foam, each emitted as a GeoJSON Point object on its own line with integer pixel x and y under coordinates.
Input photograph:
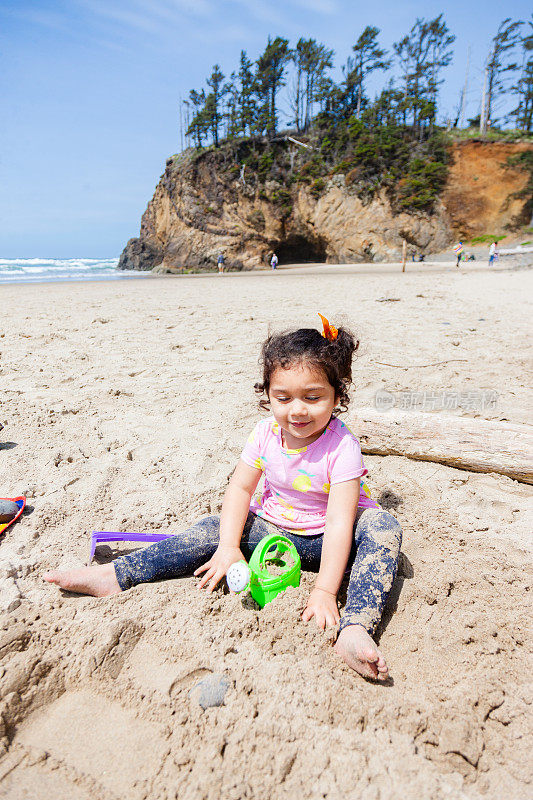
{"type": "Point", "coordinates": [36, 270]}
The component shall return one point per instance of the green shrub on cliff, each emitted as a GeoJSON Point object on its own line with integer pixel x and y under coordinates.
{"type": "Point", "coordinates": [386, 157]}
{"type": "Point", "coordinates": [317, 187]}
{"type": "Point", "coordinates": [486, 238]}
{"type": "Point", "coordinates": [265, 163]}
{"type": "Point", "coordinates": [423, 184]}
{"type": "Point", "coordinates": [311, 170]}
{"type": "Point", "coordinates": [256, 219]}
{"type": "Point", "coordinates": [282, 198]}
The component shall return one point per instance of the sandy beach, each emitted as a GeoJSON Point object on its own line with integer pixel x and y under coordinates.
{"type": "Point", "coordinates": [126, 406]}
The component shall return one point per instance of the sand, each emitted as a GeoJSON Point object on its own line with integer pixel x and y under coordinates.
{"type": "Point", "coordinates": [126, 405]}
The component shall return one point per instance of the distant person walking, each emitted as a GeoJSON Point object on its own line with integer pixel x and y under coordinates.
{"type": "Point", "coordinates": [493, 253]}
{"type": "Point", "coordinates": [458, 250]}
{"type": "Point", "coordinates": [274, 261]}
{"type": "Point", "coordinates": [220, 262]}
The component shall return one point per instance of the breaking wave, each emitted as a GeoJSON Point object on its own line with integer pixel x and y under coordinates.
{"type": "Point", "coordinates": [36, 270]}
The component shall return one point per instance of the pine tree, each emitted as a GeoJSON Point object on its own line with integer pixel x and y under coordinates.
{"type": "Point", "coordinates": [197, 128]}
{"type": "Point", "coordinates": [523, 113]}
{"type": "Point", "coordinates": [440, 56]}
{"type": "Point", "coordinates": [388, 106]}
{"type": "Point", "coordinates": [421, 55]}
{"type": "Point", "coordinates": [231, 111]}
{"type": "Point", "coordinates": [412, 53]}
{"type": "Point", "coordinates": [269, 80]}
{"type": "Point", "coordinates": [212, 109]}
{"type": "Point", "coordinates": [499, 69]}
{"type": "Point", "coordinates": [210, 116]}
{"type": "Point", "coordinates": [316, 60]}
{"type": "Point", "coordinates": [311, 60]}
{"type": "Point", "coordinates": [246, 91]}
{"type": "Point", "coordinates": [297, 99]}
{"type": "Point", "coordinates": [368, 57]}
{"type": "Point", "coordinates": [328, 95]}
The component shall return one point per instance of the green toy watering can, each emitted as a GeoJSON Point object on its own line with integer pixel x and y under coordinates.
{"type": "Point", "coordinates": [279, 552]}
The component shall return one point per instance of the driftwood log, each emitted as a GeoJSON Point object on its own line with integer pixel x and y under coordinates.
{"type": "Point", "coordinates": [478, 445]}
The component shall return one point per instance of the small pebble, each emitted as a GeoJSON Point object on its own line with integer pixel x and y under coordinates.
{"type": "Point", "coordinates": [210, 691]}
{"type": "Point", "coordinates": [8, 510]}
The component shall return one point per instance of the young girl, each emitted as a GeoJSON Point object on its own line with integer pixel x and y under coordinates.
{"type": "Point", "coordinates": [312, 493]}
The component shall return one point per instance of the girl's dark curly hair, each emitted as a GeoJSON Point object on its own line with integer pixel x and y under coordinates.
{"type": "Point", "coordinates": [307, 345]}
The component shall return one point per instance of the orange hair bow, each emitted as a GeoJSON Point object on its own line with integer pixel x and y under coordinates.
{"type": "Point", "coordinates": [330, 331]}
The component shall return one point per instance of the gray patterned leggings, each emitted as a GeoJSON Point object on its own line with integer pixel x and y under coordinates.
{"type": "Point", "coordinates": [373, 559]}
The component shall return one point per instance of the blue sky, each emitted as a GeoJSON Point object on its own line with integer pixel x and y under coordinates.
{"type": "Point", "coordinates": [91, 88]}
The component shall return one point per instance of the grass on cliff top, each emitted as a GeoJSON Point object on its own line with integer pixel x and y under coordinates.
{"type": "Point", "coordinates": [492, 135]}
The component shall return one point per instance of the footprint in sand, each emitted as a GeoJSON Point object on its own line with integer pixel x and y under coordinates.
{"type": "Point", "coordinates": [110, 658]}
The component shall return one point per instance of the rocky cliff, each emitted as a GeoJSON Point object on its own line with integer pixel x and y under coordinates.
{"type": "Point", "coordinates": [207, 204]}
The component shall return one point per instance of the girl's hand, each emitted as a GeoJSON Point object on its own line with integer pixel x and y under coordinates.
{"type": "Point", "coordinates": [322, 606]}
{"type": "Point", "coordinates": [218, 565]}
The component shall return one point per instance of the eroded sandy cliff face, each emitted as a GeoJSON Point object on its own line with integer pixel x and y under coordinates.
{"type": "Point", "coordinates": [200, 210]}
{"type": "Point", "coordinates": [478, 193]}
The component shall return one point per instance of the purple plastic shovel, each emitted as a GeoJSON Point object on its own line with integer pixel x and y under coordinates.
{"type": "Point", "coordinates": [113, 536]}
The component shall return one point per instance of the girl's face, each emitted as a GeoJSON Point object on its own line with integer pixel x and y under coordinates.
{"type": "Point", "coordinates": [302, 401]}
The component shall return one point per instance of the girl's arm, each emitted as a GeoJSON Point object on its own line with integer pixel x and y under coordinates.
{"type": "Point", "coordinates": [338, 536]}
{"type": "Point", "coordinates": [235, 507]}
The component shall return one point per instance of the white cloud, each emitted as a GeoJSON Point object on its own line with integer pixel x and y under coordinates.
{"type": "Point", "coordinates": [329, 7]}
{"type": "Point", "coordinates": [261, 11]}
{"type": "Point", "coordinates": [270, 13]}
{"type": "Point", "coordinates": [118, 24]}
{"type": "Point", "coordinates": [126, 17]}
{"type": "Point", "coordinates": [156, 17]}
{"type": "Point", "coordinates": [280, 16]}
{"type": "Point", "coordinates": [46, 19]}
{"type": "Point", "coordinates": [139, 13]}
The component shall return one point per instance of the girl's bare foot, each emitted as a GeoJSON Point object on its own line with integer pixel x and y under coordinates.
{"type": "Point", "coordinates": [99, 581]}
{"type": "Point", "coordinates": [359, 650]}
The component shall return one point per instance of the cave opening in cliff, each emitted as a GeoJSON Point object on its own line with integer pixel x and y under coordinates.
{"type": "Point", "coordinates": [297, 249]}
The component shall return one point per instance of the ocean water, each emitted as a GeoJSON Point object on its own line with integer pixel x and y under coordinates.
{"type": "Point", "coordinates": [39, 270]}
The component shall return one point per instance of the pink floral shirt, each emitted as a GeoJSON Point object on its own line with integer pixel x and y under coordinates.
{"type": "Point", "coordinates": [296, 485]}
